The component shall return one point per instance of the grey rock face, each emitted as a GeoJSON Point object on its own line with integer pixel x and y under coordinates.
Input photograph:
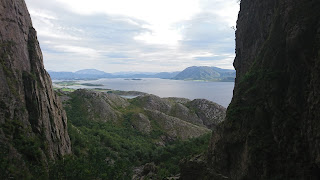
{"type": "Point", "coordinates": [181, 111]}
{"type": "Point", "coordinates": [29, 108]}
{"type": "Point", "coordinates": [210, 113]}
{"type": "Point", "coordinates": [141, 123]}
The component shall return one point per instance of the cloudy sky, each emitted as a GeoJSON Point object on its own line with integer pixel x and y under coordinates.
{"type": "Point", "coordinates": [135, 35]}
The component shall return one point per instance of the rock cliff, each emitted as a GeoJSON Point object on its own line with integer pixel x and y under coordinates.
{"type": "Point", "coordinates": [33, 125]}
{"type": "Point", "coordinates": [272, 126]}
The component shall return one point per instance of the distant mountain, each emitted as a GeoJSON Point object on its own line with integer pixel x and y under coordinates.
{"type": "Point", "coordinates": [191, 73]}
{"type": "Point", "coordinates": [130, 73]}
{"type": "Point", "coordinates": [166, 75]}
{"type": "Point", "coordinates": [84, 74]}
{"type": "Point", "coordinates": [97, 74]}
{"type": "Point", "coordinates": [162, 75]}
{"type": "Point", "coordinates": [62, 75]}
{"type": "Point", "coordinates": [90, 71]}
{"type": "Point", "coordinates": [206, 73]}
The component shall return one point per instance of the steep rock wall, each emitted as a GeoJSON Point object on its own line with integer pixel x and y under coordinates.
{"type": "Point", "coordinates": [33, 125]}
{"type": "Point", "coordinates": [272, 126]}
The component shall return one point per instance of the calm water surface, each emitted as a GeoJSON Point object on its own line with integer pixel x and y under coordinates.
{"type": "Point", "coordinates": [219, 92]}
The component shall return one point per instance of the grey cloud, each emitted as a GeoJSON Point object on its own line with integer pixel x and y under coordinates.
{"type": "Point", "coordinates": [206, 30]}
{"type": "Point", "coordinates": [211, 58]}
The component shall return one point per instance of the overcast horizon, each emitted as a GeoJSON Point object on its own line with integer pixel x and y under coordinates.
{"type": "Point", "coordinates": [141, 35]}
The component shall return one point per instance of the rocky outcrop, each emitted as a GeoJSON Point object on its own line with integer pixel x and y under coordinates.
{"type": "Point", "coordinates": [141, 123]}
{"type": "Point", "coordinates": [272, 127]}
{"type": "Point", "coordinates": [177, 100]}
{"type": "Point", "coordinates": [154, 103]}
{"type": "Point", "coordinates": [146, 114]}
{"type": "Point", "coordinates": [101, 106]}
{"type": "Point", "coordinates": [174, 127]}
{"type": "Point", "coordinates": [147, 171]}
{"type": "Point", "coordinates": [33, 125]}
{"type": "Point", "coordinates": [200, 112]}
{"type": "Point", "coordinates": [183, 112]}
{"type": "Point", "coordinates": [210, 113]}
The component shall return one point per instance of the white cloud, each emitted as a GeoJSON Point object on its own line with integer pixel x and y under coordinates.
{"type": "Point", "coordinates": [159, 15]}
{"type": "Point", "coordinates": [118, 35]}
{"type": "Point", "coordinates": [160, 36]}
{"type": "Point", "coordinates": [46, 26]}
{"type": "Point", "coordinates": [225, 10]}
{"type": "Point", "coordinates": [41, 14]}
{"type": "Point", "coordinates": [77, 49]}
{"type": "Point", "coordinates": [148, 10]}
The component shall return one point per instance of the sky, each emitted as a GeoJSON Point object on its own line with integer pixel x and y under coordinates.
{"type": "Point", "coordinates": [135, 35]}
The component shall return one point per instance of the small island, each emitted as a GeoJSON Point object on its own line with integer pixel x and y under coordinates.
{"type": "Point", "coordinates": [133, 79]}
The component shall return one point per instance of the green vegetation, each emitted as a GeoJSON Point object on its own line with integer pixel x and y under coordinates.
{"type": "Point", "coordinates": [30, 148]}
{"type": "Point", "coordinates": [101, 150]}
{"type": "Point", "coordinates": [110, 150]}
{"type": "Point", "coordinates": [64, 89]}
{"type": "Point", "coordinates": [67, 83]}
{"type": "Point", "coordinates": [75, 83]}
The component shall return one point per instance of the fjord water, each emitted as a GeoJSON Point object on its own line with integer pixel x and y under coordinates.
{"type": "Point", "coordinates": [219, 92]}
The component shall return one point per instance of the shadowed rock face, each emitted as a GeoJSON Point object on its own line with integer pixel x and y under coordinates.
{"type": "Point", "coordinates": [272, 126]}
{"type": "Point", "coordinates": [31, 115]}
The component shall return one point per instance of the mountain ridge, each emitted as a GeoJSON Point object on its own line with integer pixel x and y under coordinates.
{"type": "Point", "coordinates": [93, 74]}
{"type": "Point", "coordinates": [213, 74]}
{"type": "Point", "coordinates": [90, 71]}
{"type": "Point", "coordinates": [206, 73]}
